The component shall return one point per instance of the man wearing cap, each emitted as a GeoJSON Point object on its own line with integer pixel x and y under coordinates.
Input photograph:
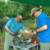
{"type": "Point", "coordinates": [43, 28]}
{"type": "Point", "coordinates": [11, 28]}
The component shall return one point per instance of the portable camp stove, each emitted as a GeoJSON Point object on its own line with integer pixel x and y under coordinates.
{"type": "Point", "coordinates": [22, 43]}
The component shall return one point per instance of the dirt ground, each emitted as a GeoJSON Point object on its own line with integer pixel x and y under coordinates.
{"type": "Point", "coordinates": [1, 43]}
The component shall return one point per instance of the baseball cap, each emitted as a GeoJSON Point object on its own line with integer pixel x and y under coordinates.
{"type": "Point", "coordinates": [34, 10]}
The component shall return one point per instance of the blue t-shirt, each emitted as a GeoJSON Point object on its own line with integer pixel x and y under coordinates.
{"type": "Point", "coordinates": [43, 19]}
{"type": "Point", "coordinates": [13, 25]}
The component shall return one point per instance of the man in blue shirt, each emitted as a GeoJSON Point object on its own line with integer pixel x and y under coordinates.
{"type": "Point", "coordinates": [11, 28]}
{"type": "Point", "coordinates": [43, 28]}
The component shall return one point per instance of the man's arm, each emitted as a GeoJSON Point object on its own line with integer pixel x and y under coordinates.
{"type": "Point", "coordinates": [43, 28]}
{"type": "Point", "coordinates": [7, 29]}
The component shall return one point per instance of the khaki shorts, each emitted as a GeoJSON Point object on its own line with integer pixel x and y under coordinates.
{"type": "Point", "coordinates": [44, 46]}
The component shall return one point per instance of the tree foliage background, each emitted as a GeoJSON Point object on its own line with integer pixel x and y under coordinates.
{"type": "Point", "coordinates": [14, 8]}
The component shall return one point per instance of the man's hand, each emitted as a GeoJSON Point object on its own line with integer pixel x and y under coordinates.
{"type": "Point", "coordinates": [13, 34]}
{"type": "Point", "coordinates": [34, 33]}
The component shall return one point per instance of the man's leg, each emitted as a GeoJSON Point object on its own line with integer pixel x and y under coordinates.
{"type": "Point", "coordinates": [44, 46]}
{"type": "Point", "coordinates": [49, 46]}
{"type": "Point", "coordinates": [8, 41]}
